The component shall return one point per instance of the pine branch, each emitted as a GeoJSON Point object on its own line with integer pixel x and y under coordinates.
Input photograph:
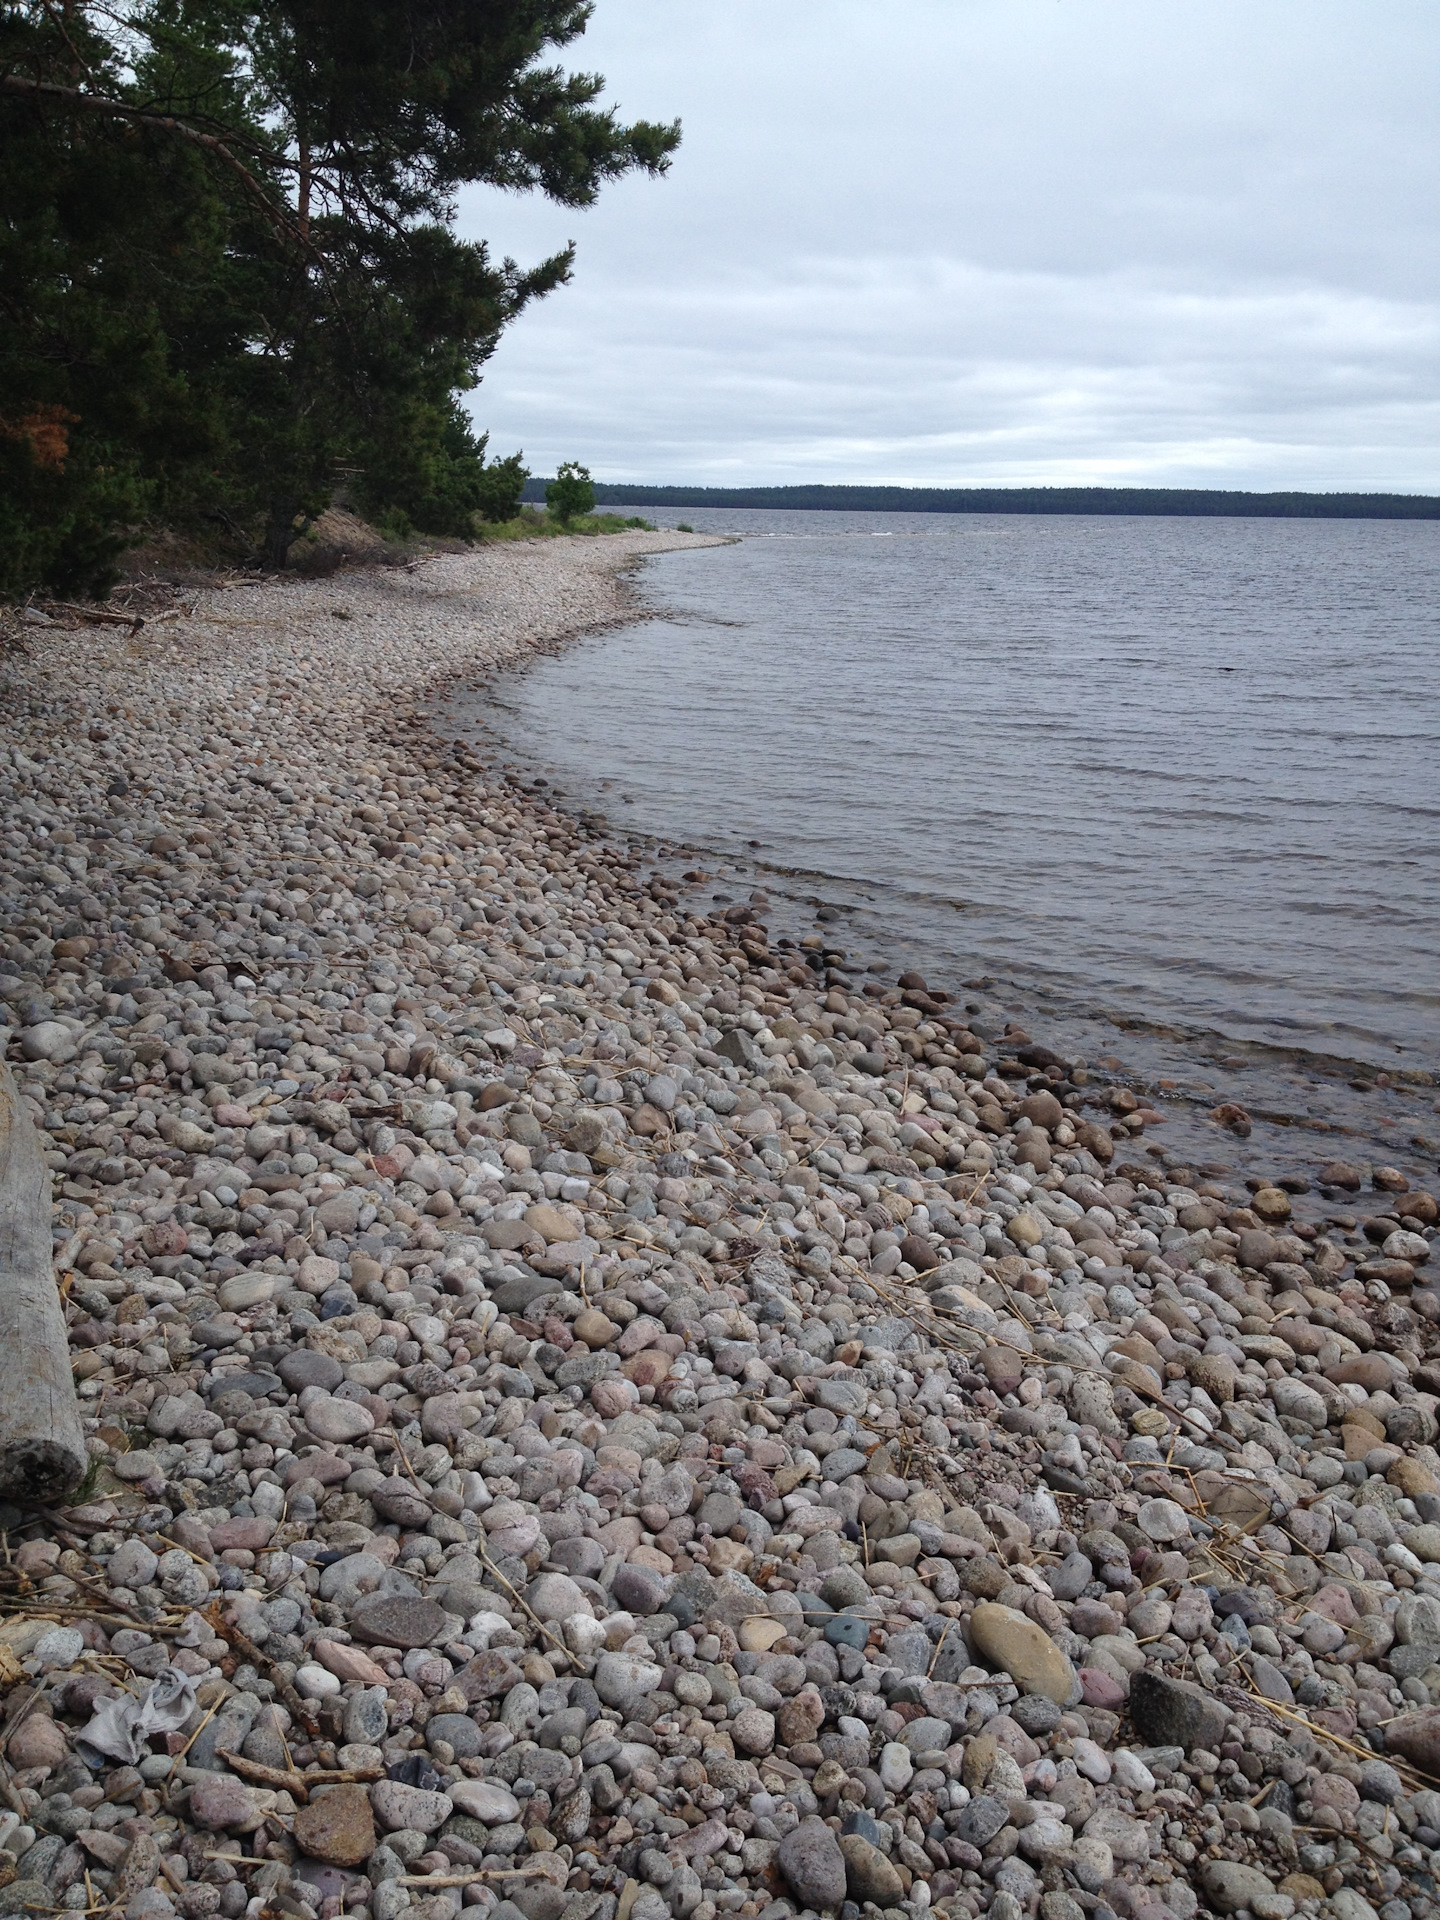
{"type": "Point", "coordinates": [76, 98]}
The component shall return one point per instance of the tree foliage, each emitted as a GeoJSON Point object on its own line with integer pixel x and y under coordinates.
{"type": "Point", "coordinates": [570, 493]}
{"type": "Point", "coordinates": [502, 484]}
{"type": "Point", "coordinates": [228, 263]}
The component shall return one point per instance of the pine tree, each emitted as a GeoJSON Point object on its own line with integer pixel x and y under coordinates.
{"type": "Point", "coordinates": [228, 263]}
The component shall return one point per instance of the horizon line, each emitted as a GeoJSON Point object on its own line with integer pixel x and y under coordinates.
{"type": "Point", "coordinates": [1275, 503]}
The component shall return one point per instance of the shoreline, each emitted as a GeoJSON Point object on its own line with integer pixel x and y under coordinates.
{"type": "Point", "coordinates": [607, 1372]}
{"type": "Point", "coordinates": [1313, 1089]}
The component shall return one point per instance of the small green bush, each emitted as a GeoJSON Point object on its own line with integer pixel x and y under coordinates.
{"type": "Point", "coordinates": [533, 523]}
{"type": "Point", "coordinates": [571, 493]}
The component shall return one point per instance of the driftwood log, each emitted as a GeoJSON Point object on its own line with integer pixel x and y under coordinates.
{"type": "Point", "coordinates": [42, 1446]}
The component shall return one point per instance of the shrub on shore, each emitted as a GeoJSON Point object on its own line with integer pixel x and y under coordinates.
{"type": "Point", "coordinates": [571, 493]}
{"type": "Point", "coordinates": [535, 523]}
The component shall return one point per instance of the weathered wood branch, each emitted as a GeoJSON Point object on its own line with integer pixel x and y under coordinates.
{"type": "Point", "coordinates": [42, 1445]}
{"type": "Point", "coordinates": [96, 616]}
{"type": "Point", "coordinates": [293, 1782]}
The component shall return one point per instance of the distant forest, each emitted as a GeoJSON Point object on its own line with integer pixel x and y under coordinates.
{"type": "Point", "coordinates": [1151, 500]}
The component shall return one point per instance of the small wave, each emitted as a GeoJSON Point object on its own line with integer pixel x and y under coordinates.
{"type": "Point", "coordinates": [1108, 766]}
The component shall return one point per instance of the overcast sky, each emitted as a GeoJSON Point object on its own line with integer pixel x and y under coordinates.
{"type": "Point", "coordinates": [968, 242]}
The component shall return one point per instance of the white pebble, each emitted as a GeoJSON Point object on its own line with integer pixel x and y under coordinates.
{"type": "Point", "coordinates": [315, 1683]}
{"type": "Point", "coordinates": [1091, 1761]}
{"type": "Point", "coordinates": [1131, 1773]}
{"type": "Point", "coordinates": [583, 1636]}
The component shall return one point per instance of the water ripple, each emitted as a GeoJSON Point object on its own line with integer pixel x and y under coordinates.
{"type": "Point", "coordinates": [1190, 762]}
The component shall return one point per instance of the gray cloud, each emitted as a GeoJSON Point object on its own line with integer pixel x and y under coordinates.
{"type": "Point", "coordinates": [976, 241]}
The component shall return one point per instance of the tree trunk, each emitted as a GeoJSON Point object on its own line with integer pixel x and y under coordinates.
{"type": "Point", "coordinates": [303, 194]}
{"type": "Point", "coordinates": [279, 536]}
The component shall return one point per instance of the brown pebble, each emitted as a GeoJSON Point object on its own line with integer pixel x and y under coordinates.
{"type": "Point", "coordinates": [337, 1826]}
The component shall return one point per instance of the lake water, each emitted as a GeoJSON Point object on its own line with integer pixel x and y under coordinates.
{"type": "Point", "coordinates": [1166, 788]}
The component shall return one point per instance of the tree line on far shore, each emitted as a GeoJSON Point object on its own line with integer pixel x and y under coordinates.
{"type": "Point", "coordinates": [1204, 502]}
{"type": "Point", "coordinates": [230, 282]}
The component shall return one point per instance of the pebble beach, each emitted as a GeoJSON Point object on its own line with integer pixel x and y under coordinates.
{"type": "Point", "coordinates": [598, 1414]}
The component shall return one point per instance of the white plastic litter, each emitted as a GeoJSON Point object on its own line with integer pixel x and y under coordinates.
{"type": "Point", "coordinates": [119, 1729]}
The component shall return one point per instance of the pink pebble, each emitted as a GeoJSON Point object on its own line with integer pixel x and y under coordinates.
{"type": "Point", "coordinates": [349, 1663]}
{"type": "Point", "coordinates": [228, 1116]}
{"type": "Point", "coordinates": [1099, 1690]}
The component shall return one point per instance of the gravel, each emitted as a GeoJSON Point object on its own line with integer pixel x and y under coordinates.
{"type": "Point", "coordinates": [682, 1425]}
